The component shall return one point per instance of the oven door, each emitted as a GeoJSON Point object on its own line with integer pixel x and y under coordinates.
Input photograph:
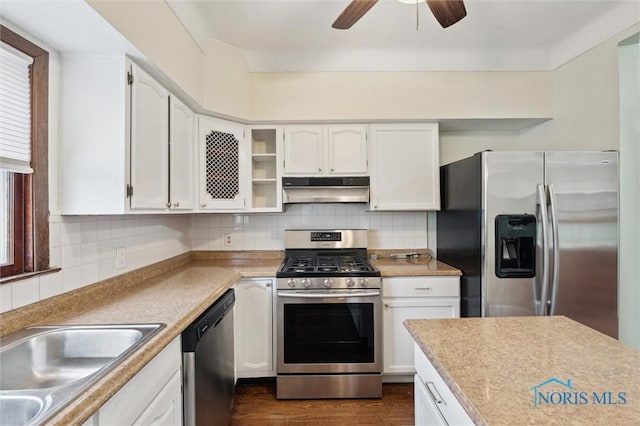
{"type": "Point", "coordinates": [329, 331]}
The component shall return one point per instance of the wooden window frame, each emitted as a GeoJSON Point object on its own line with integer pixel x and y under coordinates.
{"type": "Point", "coordinates": [31, 191]}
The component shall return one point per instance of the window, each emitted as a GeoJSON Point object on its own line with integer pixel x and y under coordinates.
{"type": "Point", "coordinates": [24, 228]}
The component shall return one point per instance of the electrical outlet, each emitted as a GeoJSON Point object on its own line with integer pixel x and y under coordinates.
{"type": "Point", "coordinates": [228, 241]}
{"type": "Point", "coordinates": [121, 260]}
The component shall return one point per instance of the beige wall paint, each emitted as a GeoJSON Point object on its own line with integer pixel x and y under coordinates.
{"type": "Point", "coordinates": [154, 29]}
{"type": "Point", "coordinates": [586, 102]}
{"type": "Point", "coordinates": [458, 145]}
{"type": "Point", "coordinates": [226, 82]}
{"type": "Point", "coordinates": [400, 95]}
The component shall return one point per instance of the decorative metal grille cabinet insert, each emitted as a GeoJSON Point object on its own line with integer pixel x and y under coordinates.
{"type": "Point", "coordinates": [223, 165]}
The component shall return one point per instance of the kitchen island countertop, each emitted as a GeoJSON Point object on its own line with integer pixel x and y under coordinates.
{"type": "Point", "coordinates": [496, 367]}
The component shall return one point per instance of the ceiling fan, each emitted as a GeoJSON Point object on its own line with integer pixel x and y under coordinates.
{"type": "Point", "coordinates": [447, 12]}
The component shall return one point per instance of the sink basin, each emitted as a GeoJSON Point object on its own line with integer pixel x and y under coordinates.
{"type": "Point", "coordinates": [43, 368]}
{"type": "Point", "coordinates": [19, 409]}
{"type": "Point", "coordinates": [59, 357]}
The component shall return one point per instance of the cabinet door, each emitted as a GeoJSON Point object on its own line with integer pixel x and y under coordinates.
{"type": "Point", "coordinates": [166, 408]}
{"type": "Point", "coordinates": [253, 318]}
{"type": "Point", "coordinates": [397, 342]}
{"type": "Point", "coordinates": [303, 150]}
{"type": "Point", "coordinates": [405, 164]}
{"type": "Point", "coordinates": [426, 411]}
{"type": "Point", "coordinates": [181, 157]}
{"type": "Point", "coordinates": [139, 395]}
{"type": "Point", "coordinates": [347, 150]}
{"type": "Point", "coordinates": [222, 165]}
{"type": "Point", "coordinates": [149, 175]}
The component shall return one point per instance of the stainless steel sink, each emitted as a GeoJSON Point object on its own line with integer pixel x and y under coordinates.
{"type": "Point", "coordinates": [45, 367]}
{"type": "Point", "coordinates": [19, 409]}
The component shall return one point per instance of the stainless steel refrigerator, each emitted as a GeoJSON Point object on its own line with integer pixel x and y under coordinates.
{"type": "Point", "coordinates": [534, 233]}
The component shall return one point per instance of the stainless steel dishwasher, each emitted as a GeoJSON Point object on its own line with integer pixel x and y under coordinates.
{"type": "Point", "coordinates": [208, 364]}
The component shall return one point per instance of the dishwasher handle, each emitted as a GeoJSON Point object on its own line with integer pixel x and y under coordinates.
{"type": "Point", "coordinates": [207, 321]}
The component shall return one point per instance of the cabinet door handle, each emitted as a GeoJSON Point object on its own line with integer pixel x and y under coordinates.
{"type": "Point", "coordinates": [435, 395]}
{"type": "Point", "coordinates": [168, 205]}
{"type": "Point", "coordinates": [319, 169]}
{"type": "Point", "coordinates": [203, 205]}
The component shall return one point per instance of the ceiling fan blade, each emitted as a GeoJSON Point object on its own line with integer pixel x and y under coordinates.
{"type": "Point", "coordinates": [447, 12]}
{"type": "Point", "coordinates": [352, 13]}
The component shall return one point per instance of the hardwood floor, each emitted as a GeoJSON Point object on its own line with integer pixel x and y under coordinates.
{"type": "Point", "coordinates": [256, 404]}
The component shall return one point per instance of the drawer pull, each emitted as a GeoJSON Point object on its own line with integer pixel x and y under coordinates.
{"type": "Point", "coordinates": [435, 395]}
{"type": "Point", "coordinates": [424, 288]}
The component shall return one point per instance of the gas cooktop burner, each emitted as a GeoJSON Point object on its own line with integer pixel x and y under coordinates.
{"type": "Point", "coordinates": [318, 265]}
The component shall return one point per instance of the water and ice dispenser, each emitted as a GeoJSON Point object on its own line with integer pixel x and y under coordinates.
{"type": "Point", "coordinates": [515, 246]}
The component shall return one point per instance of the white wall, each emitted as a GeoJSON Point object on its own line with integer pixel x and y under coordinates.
{"type": "Point", "coordinates": [586, 103]}
{"type": "Point", "coordinates": [226, 84]}
{"type": "Point", "coordinates": [629, 266]}
{"type": "Point", "coordinates": [388, 230]}
{"type": "Point", "coordinates": [154, 29]}
{"type": "Point", "coordinates": [458, 145]}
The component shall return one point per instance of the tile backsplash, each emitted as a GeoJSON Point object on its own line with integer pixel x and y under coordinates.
{"type": "Point", "coordinates": [265, 231]}
{"type": "Point", "coordinates": [85, 246]}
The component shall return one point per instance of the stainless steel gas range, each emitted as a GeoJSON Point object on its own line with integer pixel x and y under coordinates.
{"type": "Point", "coordinates": [328, 317]}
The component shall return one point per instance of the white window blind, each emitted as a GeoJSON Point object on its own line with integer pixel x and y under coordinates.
{"type": "Point", "coordinates": [15, 110]}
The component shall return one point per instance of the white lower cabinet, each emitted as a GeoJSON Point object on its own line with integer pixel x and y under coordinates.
{"type": "Point", "coordinates": [253, 328]}
{"type": "Point", "coordinates": [412, 298]}
{"type": "Point", "coordinates": [434, 402]}
{"type": "Point", "coordinates": [151, 397]}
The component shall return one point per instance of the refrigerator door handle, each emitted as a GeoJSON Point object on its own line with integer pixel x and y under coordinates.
{"type": "Point", "coordinates": [553, 213]}
{"type": "Point", "coordinates": [541, 300]}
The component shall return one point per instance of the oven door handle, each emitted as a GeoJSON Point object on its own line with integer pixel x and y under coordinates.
{"type": "Point", "coordinates": [328, 295]}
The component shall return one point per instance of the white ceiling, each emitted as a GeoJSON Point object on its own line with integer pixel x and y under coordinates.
{"type": "Point", "coordinates": [296, 35]}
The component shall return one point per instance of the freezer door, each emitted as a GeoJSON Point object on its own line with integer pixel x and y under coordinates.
{"type": "Point", "coordinates": [509, 187]}
{"type": "Point", "coordinates": [586, 188]}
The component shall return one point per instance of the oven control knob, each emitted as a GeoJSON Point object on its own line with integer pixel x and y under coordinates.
{"type": "Point", "coordinates": [291, 282]}
{"type": "Point", "coordinates": [350, 283]}
{"type": "Point", "coordinates": [328, 282]}
{"type": "Point", "coordinates": [364, 283]}
{"type": "Point", "coordinates": [306, 282]}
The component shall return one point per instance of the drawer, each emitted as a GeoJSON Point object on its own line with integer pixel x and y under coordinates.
{"type": "Point", "coordinates": [423, 286]}
{"type": "Point", "coordinates": [438, 391]}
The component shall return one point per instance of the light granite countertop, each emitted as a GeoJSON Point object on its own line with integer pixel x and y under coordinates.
{"type": "Point", "coordinates": [496, 366]}
{"type": "Point", "coordinates": [413, 267]}
{"type": "Point", "coordinates": [173, 292]}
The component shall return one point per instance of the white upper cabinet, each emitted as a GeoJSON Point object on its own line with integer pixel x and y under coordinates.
{"type": "Point", "coordinates": [115, 154]}
{"type": "Point", "coordinates": [182, 151]}
{"type": "Point", "coordinates": [405, 167]}
{"type": "Point", "coordinates": [347, 150]}
{"type": "Point", "coordinates": [325, 150]}
{"type": "Point", "coordinates": [222, 165]}
{"type": "Point", "coordinates": [304, 150]}
{"type": "Point", "coordinates": [149, 142]}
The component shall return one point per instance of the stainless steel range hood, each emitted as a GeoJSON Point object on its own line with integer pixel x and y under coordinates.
{"type": "Point", "coordinates": [325, 190]}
